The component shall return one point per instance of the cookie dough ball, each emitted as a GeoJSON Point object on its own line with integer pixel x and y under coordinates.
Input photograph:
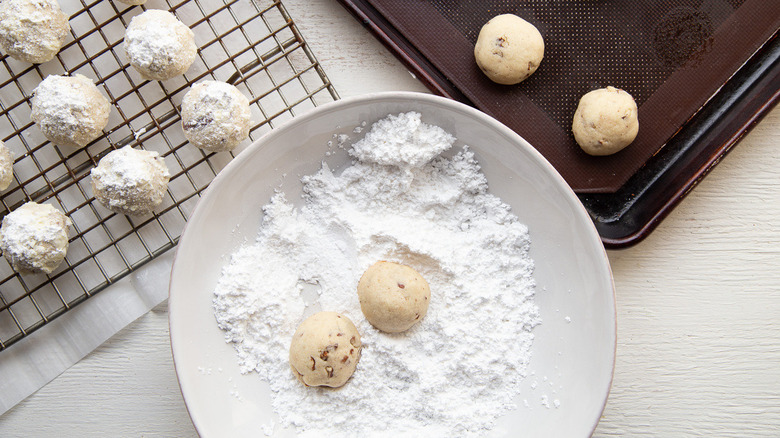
{"type": "Point", "coordinates": [6, 167]}
{"type": "Point", "coordinates": [69, 110]}
{"type": "Point", "coordinates": [34, 238]}
{"type": "Point", "coordinates": [605, 121]}
{"type": "Point", "coordinates": [393, 297]}
{"type": "Point", "coordinates": [325, 350]}
{"type": "Point", "coordinates": [130, 181]}
{"type": "Point", "coordinates": [159, 46]}
{"type": "Point", "coordinates": [32, 30]}
{"type": "Point", "coordinates": [215, 116]}
{"type": "Point", "coordinates": [509, 49]}
{"type": "Point", "coordinates": [133, 2]}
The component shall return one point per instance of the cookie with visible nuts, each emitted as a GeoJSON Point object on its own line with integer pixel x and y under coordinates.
{"type": "Point", "coordinates": [393, 297]}
{"type": "Point", "coordinates": [325, 350]}
{"type": "Point", "coordinates": [130, 181]}
{"type": "Point", "coordinates": [605, 121]}
{"type": "Point", "coordinates": [509, 49]}
{"type": "Point", "coordinates": [215, 116]}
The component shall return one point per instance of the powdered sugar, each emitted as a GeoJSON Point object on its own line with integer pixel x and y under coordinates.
{"type": "Point", "coordinates": [158, 45]}
{"type": "Point", "coordinates": [32, 30]}
{"type": "Point", "coordinates": [34, 238]}
{"type": "Point", "coordinates": [215, 116]}
{"type": "Point", "coordinates": [455, 372]}
{"type": "Point", "coordinates": [147, 44]}
{"type": "Point", "coordinates": [130, 181]}
{"type": "Point", "coordinates": [54, 97]}
{"type": "Point", "coordinates": [402, 140]}
{"type": "Point", "coordinates": [69, 110]}
{"type": "Point", "coordinates": [6, 167]}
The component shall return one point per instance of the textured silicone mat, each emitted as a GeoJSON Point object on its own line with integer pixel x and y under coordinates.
{"type": "Point", "coordinates": [672, 56]}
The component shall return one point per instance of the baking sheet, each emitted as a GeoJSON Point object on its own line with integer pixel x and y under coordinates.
{"type": "Point", "coordinates": [676, 57]}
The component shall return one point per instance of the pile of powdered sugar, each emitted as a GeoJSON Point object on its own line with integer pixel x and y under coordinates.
{"type": "Point", "coordinates": [455, 372]}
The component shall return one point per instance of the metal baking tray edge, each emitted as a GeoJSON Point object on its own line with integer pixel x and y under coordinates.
{"type": "Point", "coordinates": [626, 217]}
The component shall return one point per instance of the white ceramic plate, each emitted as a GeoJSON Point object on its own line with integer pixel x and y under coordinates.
{"type": "Point", "coordinates": [574, 350]}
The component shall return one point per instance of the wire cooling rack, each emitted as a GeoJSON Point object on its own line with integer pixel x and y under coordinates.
{"type": "Point", "coordinates": [253, 44]}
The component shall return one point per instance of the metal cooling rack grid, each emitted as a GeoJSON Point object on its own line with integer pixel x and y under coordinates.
{"type": "Point", "coordinates": [252, 44]}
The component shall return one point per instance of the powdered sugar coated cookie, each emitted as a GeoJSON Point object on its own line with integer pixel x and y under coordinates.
{"type": "Point", "coordinates": [215, 116]}
{"type": "Point", "coordinates": [34, 238]}
{"type": "Point", "coordinates": [69, 110]}
{"type": "Point", "coordinates": [130, 181]}
{"type": "Point", "coordinates": [6, 167]}
{"type": "Point", "coordinates": [159, 46]}
{"type": "Point", "coordinates": [32, 30]}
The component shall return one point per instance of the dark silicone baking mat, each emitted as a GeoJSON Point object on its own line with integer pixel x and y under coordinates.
{"type": "Point", "coordinates": [690, 65]}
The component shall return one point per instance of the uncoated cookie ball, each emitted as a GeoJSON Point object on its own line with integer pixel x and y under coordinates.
{"type": "Point", "coordinates": [215, 116]}
{"type": "Point", "coordinates": [325, 350]}
{"type": "Point", "coordinates": [130, 181]}
{"type": "Point", "coordinates": [605, 121]}
{"type": "Point", "coordinates": [32, 30]}
{"type": "Point", "coordinates": [393, 297]}
{"type": "Point", "coordinates": [69, 110]}
{"type": "Point", "coordinates": [159, 46]}
{"type": "Point", "coordinates": [509, 49]}
{"type": "Point", "coordinates": [34, 238]}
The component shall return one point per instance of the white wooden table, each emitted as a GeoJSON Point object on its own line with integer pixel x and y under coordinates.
{"type": "Point", "coordinates": [698, 301]}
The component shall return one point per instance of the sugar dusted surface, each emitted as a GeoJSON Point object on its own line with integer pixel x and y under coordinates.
{"type": "Point", "coordinates": [457, 370]}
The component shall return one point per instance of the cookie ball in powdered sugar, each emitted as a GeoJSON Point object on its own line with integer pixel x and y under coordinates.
{"type": "Point", "coordinates": [159, 46]}
{"type": "Point", "coordinates": [130, 181]}
{"type": "Point", "coordinates": [215, 116]}
{"type": "Point", "coordinates": [325, 350]}
{"type": "Point", "coordinates": [34, 238]}
{"type": "Point", "coordinates": [32, 30]}
{"type": "Point", "coordinates": [69, 110]}
{"type": "Point", "coordinates": [6, 167]}
{"type": "Point", "coordinates": [393, 297]}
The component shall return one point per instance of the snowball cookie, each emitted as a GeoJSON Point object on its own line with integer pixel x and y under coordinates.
{"type": "Point", "coordinates": [325, 350]}
{"type": "Point", "coordinates": [215, 116]}
{"type": "Point", "coordinates": [34, 238]}
{"type": "Point", "coordinates": [69, 110]}
{"type": "Point", "coordinates": [393, 297]}
{"type": "Point", "coordinates": [130, 181]}
{"type": "Point", "coordinates": [6, 167]}
{"type": "Point", "coordinates": [508, 49]}
{"type": "Point", "coordinates": [32, 30]}
{"type": "Point", "coordinates": [605, 121]}
{"type": "Point", "coordinates": [159, 46]}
